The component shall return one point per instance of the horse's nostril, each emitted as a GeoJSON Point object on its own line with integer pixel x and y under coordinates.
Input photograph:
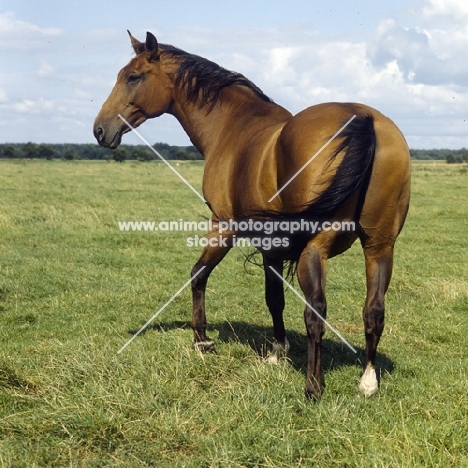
{"type": "Point", "coordinates": [99, 133]}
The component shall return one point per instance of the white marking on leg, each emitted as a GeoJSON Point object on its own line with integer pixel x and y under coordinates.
{"type": "Point", "coordinates": [204, 346]}
{"type": "Point", "coordinates": [369, 384]}
{"type": "Point", "coordinates": [278, 352]}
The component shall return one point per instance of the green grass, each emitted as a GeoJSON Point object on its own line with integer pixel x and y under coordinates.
{"type": "Point", "coordinates": [73, 287]}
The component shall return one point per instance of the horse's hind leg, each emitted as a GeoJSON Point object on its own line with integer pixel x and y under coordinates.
{"type": "Point", "coordinates": [381, 220]}
{"type": "Point", "coordinates": [274, 297]}
{"type": "Point", "coordinates": [211, 256]}
{"type": "Point", "coordinates": [379, 264]}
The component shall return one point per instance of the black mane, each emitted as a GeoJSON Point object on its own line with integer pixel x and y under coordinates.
{"type": "Point", "coordinates": [204, 80]}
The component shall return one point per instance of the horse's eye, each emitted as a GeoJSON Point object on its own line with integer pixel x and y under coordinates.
{"type": "Point", "coordinates": [134, 78]}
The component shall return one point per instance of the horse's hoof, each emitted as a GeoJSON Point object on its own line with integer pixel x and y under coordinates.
{"type": "Point", "coordinates": [279, 351]}
{"type": "Point", "coordinates": [207, 346]}
{"type": "Point", "coordinates": [314, 388]}
{"type": "Point", "coordinates": [369, 384]}
{"type": "Point", "coordinates": [313, 394]}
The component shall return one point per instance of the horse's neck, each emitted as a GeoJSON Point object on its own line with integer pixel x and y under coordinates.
{"type": "Point", "coordinates": [237, 112]}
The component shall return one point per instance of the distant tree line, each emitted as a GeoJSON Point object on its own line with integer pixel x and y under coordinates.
{"type": "Point", "coordinates": [451, 156]}
{"type": "Point", "coordinates": [95, 152]}
{"type": "Point", "coordinates": [143, 153]}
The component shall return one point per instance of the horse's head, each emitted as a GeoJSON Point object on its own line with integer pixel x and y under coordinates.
{"type": "Point", "coordinates": [142, 91]}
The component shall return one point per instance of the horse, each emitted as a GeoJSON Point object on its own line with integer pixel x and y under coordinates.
{"type": "Point", "coordinates": [332, 161]}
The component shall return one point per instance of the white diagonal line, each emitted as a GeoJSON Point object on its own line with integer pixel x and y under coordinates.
{"type": "Point", "coordinates": [162, 159]}
{"type": "Point", "coordinates": [313, 310]}
{"type": "Point", "coordinates": [160, 310]}
{"type": "Point", "coordinates": [312, 158]}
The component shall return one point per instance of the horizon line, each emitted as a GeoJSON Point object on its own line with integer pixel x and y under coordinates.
{"type": "Point", "coordinates": [189, 146]}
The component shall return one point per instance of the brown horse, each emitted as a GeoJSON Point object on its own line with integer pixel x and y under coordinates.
{"type": "Point", "coordinates": [264, 163]}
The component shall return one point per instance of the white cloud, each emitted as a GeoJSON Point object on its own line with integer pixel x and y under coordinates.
{"type": "Point", "coordinates": [280, 69]}
{"type": "Point", "coordinates": [454, 11]}
{"type": "Point", "coordinates": [20, 35]}
{"type": "Point", "coordinates": [39, 106]}
{"type": "Point", "coordinates": [432, 53]}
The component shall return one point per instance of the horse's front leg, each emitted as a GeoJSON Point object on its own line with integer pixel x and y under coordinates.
{"type": "Point", "coordinates": [217, 248]}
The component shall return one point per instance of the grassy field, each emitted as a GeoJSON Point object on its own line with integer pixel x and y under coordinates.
{"type": "Point", "coordinates": [73, 288]}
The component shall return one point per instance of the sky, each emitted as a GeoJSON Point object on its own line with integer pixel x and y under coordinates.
{"type": "Point", "coordinates": [59, 60]}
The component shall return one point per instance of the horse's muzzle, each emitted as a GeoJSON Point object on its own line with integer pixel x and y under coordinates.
{"type": "Point", "coordinates": [100, 135]}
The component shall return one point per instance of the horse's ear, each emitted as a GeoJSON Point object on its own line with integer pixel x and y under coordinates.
{"type": "Point", "coordinates": [138, 46]}
{"type": "Point", "coordinates": [151, 47]}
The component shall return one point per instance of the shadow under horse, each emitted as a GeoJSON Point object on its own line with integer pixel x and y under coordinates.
{"type": "Point", "coordinates": [256, 337]}
{"type": "Point", "coordinates": [331, 163]}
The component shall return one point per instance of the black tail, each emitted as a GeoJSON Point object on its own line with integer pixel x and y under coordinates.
{"type": "Point", "coordinates": [358, 142]}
